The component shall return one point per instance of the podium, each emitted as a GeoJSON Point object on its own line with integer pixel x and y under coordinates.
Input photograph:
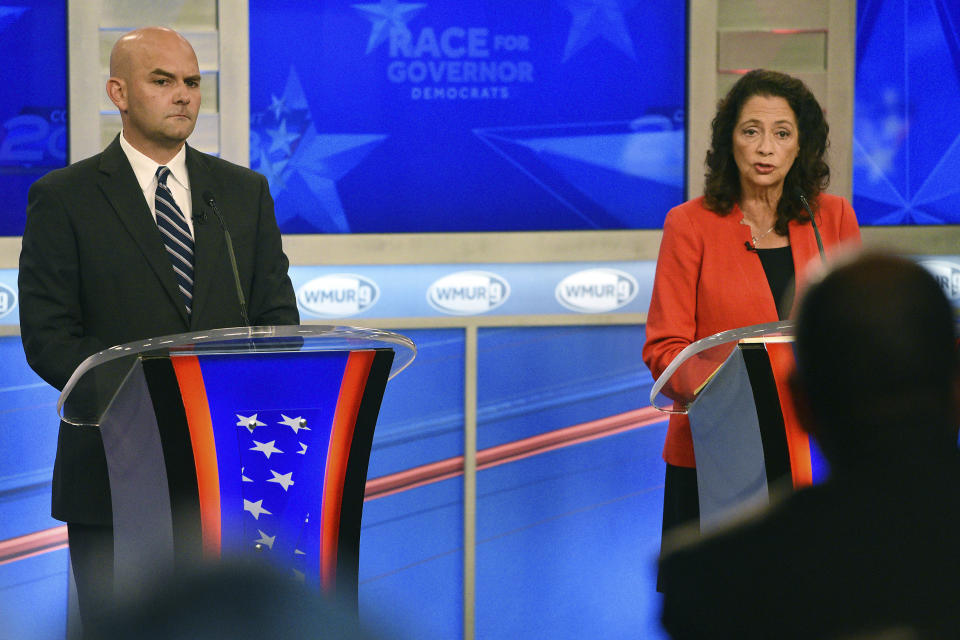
{"type": "Point", "coordinates": [232, 443]}
{"type": "Point", "coordinates": [746, 435]}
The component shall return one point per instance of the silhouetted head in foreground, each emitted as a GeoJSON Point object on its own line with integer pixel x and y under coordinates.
{"type": "Point", "coordinates": [877, 369]}
{"type": "Point", "coordinates": [236, 602]}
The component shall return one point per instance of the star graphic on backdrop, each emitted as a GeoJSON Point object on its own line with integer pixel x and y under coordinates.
{"type": "Point", "coordinates": [896, 178]}
{"type": "Point", "coordinates": [280, 138]}
{"type": "Point", "coordinates": [299, 576]}
{"type": "Point", "coordinates": [265, 539]}
{"type": "Point", "coordinates": [250, 422]}
{"type": "Point", "coordinates": [266, 448]}
{"type": "Point", "coordinates": [613, 164]}
{"type": "Point", "coordinates": [594, 19]}
{"type": "Point", "coordinates": [273, 172]}
{"type": "Point", "coordinates": [386, 16]}
{"type": "Point", "coordinates": [320, 160]}
{"type": "Point", "coordinates": [277, 106]}
{"type": "Point", "coordinates": [303, 449]}
{"type": "Point", "coordinates": [284, 480]}
{"type": "Point", "coordinates": [303, 171]}
{"type": "Point", "coordinates": [243, 477]}
{"type": "Point", "coordinates": [296, 424]}
{"type": "Point", "coordinates": [255, 508]}
{"type": "Point", "coordinates": [9, 15]}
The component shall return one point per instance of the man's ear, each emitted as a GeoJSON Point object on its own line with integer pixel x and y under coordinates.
{"type": "Point", "coordinates": [801, 402]}
{"type": "Point", "coordinates": [117, 92]}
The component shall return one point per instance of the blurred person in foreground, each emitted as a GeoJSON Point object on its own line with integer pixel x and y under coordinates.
{"type": "Point", "coordinates": [232, 600]}
{"type": "Point", "coordinates": [873, 548]}
{"type": "Point", "coordinates": [733, 257]}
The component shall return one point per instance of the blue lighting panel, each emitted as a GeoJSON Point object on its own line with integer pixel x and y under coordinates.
{"type": "Point", "coordinates": [906, 131]}
{"type": "Point", "coordinates": [477, 115]}
{"type": "Point", "coordinates": [33, 113]}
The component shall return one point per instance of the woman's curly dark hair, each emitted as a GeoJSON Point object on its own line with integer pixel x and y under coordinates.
{"type": "Point", "coordinates": [809, 173]}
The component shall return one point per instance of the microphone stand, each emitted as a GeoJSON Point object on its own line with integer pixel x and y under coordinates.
{"type": "Point", "coordinates": [212, 203]}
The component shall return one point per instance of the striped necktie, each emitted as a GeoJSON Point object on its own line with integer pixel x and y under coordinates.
{"type": "Point", "coordinates": [176, 236]}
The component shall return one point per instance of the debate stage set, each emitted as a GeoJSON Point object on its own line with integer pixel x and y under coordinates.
{"type": "Point", "coordinates": [461, 434]}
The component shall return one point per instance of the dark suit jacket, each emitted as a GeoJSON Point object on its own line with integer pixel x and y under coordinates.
{"type": "Point", "coordinates": [94, 273]}
{"type": "Point", "coordinates": [864, 552]}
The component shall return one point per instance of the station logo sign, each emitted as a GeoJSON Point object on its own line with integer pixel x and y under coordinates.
{"type": "Point", "coordinates": [8, 299]}
{"type": "Point", "coordinates": [947, 274]}
{"type": "Point", "coordinates": [338, 295]}
{"type": "Point", "coordinates": [596, 290]}
{"type": "Point", "coordinates": [468, 293]}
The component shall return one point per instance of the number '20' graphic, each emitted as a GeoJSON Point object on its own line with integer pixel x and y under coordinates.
{"type": "Point", "coordinates": [30, 139]}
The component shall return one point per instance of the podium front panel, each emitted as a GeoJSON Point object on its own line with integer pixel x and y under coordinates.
{"type": "Point", "coordinates": [746, 434]}
{"type": "Point", "coordinates": [244, 454]}
{"type": "Point", "coordinates": [731, 470]}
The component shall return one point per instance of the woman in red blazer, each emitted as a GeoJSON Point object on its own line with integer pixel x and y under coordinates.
{"type": "Point", "coordinates": [734, 257]}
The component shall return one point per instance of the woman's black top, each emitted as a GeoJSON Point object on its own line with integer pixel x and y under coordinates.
{"type": "Point", "coordinates": [778, 266]}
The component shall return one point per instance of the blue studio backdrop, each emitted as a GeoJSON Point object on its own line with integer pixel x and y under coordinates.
{"type": "Point", "coordinates": [33, 105]}
{"type": "Point", "coordinates": [476, 115]}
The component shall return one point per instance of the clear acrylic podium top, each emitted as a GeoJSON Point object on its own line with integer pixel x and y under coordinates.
{"type": "Point", "coordinates": [94, 383]}
{"type": "Point", "coordinates": [678, 386]}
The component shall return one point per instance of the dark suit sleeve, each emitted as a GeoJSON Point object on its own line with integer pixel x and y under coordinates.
{"type": "Point", "coordinates": [272, 300]}
{"type": "Point", "coordinates": [51, 318]}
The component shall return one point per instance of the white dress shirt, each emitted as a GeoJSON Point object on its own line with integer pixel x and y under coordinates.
{"type": "Point", "coordinates": [178, 181]}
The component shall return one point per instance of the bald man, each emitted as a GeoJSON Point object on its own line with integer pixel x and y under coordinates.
{"type": "Point", "coordinates": [98, 267]}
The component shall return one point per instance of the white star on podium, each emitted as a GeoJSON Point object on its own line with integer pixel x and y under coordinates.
{"type": "Point", "coordinates": [284, 480]}
{"type": "Point", "coordinates": [255, 508]}
{"type": "Point", "coordinates": [266, 448]}
{"type": "Point", "coordinates": [265, 539]}
{"type": "Point", "coordinates": [250, 422]}
{"type": "Point", "coordinates": [296, 424]}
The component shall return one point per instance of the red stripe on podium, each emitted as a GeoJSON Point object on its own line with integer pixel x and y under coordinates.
{"type": "Point", "coordinates": [798, 441]}
{"type": "Point", "coordinates": [194, 394]}
{"type": "Point", "coordinates": [338, 454]}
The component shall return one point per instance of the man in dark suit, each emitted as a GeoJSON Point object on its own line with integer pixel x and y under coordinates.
{"type": "Point", "coordinates": [123, 246]}
{"type": "Point", "coordinates": [873, 549]}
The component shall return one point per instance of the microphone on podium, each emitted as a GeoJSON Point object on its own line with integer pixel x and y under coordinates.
{"type": "Point", "coordinates": [816, 231]}
{"type": "Point", "coordinates": [212, 203]}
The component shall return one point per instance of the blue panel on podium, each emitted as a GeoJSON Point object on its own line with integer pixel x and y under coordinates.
{"type": "Point", "coordinates": [272, 424]}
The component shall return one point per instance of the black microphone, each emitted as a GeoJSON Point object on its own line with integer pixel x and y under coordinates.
{"type": "Point", "coordinates": [212, 203]}
{"type": "Point", "coordinates": [750, 247]}
{"type": "Point", "coordinates": [816, 231]}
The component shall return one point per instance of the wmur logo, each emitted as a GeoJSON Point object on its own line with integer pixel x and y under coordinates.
{"type": "Point", "coordinates": [468, 292]}
{"type": "Point", "coordinates": [947, 274]}
{"type": "Point", "coordinates": [338, 295]}
{"type": "Point", "coordinates": [596, 290]}
{"type": "Point", "coordinates": [8, 299]}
